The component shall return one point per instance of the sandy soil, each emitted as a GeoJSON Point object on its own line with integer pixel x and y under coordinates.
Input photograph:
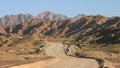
{"type": "Point", "coordinates": [12, 63]}
{"type": "Point", "coordinates": [61, 60]}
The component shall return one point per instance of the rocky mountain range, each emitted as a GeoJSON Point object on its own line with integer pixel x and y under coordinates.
{"type": "Point", "coordinates": [17, 19]}
{"type": "Point", "coordinates": [20, 18]}
{"type": "Point", "coordinates": [90, 28]}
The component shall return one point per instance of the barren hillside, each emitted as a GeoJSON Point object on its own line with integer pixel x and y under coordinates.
{"type": "Point", "coordinates": [90, 38]}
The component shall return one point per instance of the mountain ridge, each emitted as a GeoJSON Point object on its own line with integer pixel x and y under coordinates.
{"type": "Point", "coordinates": [91, 27]}
{"type": "Point", "coordinates": [19, 18]}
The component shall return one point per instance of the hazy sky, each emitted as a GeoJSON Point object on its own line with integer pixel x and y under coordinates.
{"type": "Point", "coordinates": [67, 7]}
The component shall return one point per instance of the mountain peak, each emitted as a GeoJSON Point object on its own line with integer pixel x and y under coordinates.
{"type": "Point", "coordinates": [47, 12]}
{"type": "Point", "coordinates": [78, 17]}
{"type": "Point", "coordinates": [51, 16]}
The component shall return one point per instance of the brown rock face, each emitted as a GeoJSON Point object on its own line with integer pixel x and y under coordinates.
{"type": "Point", "coordinates": [89, 28]}
{"type": "Point", "coordinates": [2, 30]}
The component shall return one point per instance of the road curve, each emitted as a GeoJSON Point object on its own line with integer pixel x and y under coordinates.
{"type": "Point", "coordinates": [56, 50]}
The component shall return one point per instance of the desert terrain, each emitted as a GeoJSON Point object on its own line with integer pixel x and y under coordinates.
{"type": "Point", "coordinates": [55, 41]}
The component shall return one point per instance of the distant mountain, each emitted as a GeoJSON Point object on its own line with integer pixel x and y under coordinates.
{"type": "Point", "coordinates": [78, 17]}
{"type": "Point", "coordinates": [51, 16]}
{"type": "Point", "coordinates": [17, 19]}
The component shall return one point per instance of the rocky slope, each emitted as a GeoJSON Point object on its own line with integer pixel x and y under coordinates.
{"type": "Point", "coordinates": [93, 29]}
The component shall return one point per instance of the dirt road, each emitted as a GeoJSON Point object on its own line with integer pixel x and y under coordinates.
{"type": "Point", "coordinates": [61, 60]}
{"type": "Point", "coordinates": [56, 50]}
